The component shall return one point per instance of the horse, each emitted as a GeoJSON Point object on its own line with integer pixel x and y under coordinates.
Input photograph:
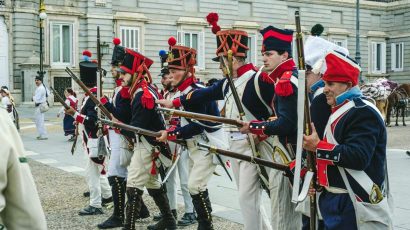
{"type": "Point", "coordinates": [378, 91]}
{"type": "Point", "coordinates": [398, 99]}
{"type": "Point", "coordinates": [382, 105]}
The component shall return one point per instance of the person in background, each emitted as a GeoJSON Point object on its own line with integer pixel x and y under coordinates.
{"type": "Point", "coordinates": [68, 122]}
{"type": "Point", "coordinates": [7, 101]}
{"type": "Point", "coordinates": [39, 98]}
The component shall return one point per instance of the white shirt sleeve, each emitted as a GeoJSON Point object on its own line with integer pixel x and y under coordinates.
{"type": "Point", "coordinates": [40, 94]}
{"type": "Point", "coordinates": [5, 101]}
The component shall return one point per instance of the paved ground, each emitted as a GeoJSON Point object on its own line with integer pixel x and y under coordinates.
{"type": "Point", "coordinates": [55, 152]}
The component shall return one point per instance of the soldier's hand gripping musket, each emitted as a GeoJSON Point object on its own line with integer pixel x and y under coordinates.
{"type": "Point", "coordinates": [137, 130]}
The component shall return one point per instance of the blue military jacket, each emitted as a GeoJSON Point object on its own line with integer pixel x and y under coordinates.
{"type": "Point", "coordinates": [146, 118]}
{"type": "Point", "coordinates": [361, 136]}
{"type": "Point", "coordinates": [285, 104]}
{"type": "Point", "coordinates": [121, 106]}
{"type": "Point", "coordinates": [88, 116]}
{"type": "Point", "coordinates": [204, 107]}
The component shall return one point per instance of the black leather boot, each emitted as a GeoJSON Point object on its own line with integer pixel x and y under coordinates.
{"type": "Point", "coordinates": [133, 207]}
{"type": "Point", "coordinates": [203, 209]}
{"type": "Point", "coordinates": [159, 216]}
{"type": "Point", "coordinates": [144, 212]}
{"type": "Point", "coordinates": [118, 185]}
{"type": "Point", "coordinates": [161, 200]}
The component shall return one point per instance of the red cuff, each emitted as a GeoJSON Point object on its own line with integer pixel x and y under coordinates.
{"type": "Point", "coordinates": [103, 100]}
{"type": "Point", "coordinates": [323, 145]}
{"type": "Point", "coordinates": [257, 127]}
{"type": "Point", "coordinates": [172, 136]}
{"type": "Point", "coordinates": [80, 118]}
{"type": "Point", "coordinates": [177, 103]}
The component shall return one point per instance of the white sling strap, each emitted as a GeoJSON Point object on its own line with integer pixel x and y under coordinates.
{"type": "Point", "coordinates": [258, 91]}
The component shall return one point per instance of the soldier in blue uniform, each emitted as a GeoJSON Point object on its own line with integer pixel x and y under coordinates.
{"type": "Point", "coordinates": [120, 108]}
{"type": "Point", "coordinates": [351, 157]}
{"type": "Point", "coordinates": [278, 63]}
{"type": "Point", "coordinates": [315, 51]}
{"type": "Point", "coordinates": [181, 62]}
{"type": "Point", "coordinates": [182, 166]}
{"type": "Point", "coordinates": [87, 117]}
{"type": "Point", "coordinates": [256, 93]}
{"type": "Point", "coordinates": [142, 171]}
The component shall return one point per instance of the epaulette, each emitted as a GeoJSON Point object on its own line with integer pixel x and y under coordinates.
{"type": "Point", "coordinates": [147, 100]}
{"type": "Point", "coordinates": [284, 86]}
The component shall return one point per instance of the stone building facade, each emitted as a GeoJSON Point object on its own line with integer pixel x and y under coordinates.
{"type": "Point", "coordinates": [146, 25]}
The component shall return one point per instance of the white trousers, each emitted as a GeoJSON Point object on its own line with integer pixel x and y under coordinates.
{"type": "Point", "coordinates": [97, 183]}
{"type": "Point", "coordinates": [201, 169]}
{"type": "Point", "coordinates": [250, 192]}
{"type": "Point", "coordinates": [114, 167]}
{"type": "Point", "coordinates": [283, 215]}
{"type": "Point", "coordinates": [182, 167]}
{"type": "Point", "coordinates": [139, 170]}
{"type": "Point", "coordinates": [39, 119]}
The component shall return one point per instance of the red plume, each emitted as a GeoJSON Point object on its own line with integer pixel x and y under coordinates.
{"type": "Point", "coordinates": [172, 41]}
{"type": "Point", "coordinates": [87, 53]}
{"type": "Point", "coordinates": [212, 18]}
{"type": "Point", "coordinates": [215, 29]}
{"type": "Point", "coordinates": [116, 41]}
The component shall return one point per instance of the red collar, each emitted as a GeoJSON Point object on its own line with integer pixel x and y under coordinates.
{"type": "Point", "coordinates": [118, 82]}
{"type": "Point", "coordinates": [187, 82]}
{"type": "Point", "coordinates": [288, 65]}
{"type": "Point", "coordinates": [245, 68]}
{"type": "Point", "coordinates": [334, 109]}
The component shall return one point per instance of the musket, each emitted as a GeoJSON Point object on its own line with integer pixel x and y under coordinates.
{"type": "Point", "coordinates": [61, 100]}
{"type": "Point", "coordinates": [311, 161]}
{"type": "Point", "coordinates": [99, 80]}
{"type": "Point", "coordinates": [88, 92]}
{"type": "Point", "coordinates": [137, 130]}
{"type": "Point", "coordinates": [228, 68]}
{"type": "Point", "coordinates": [199, 116]}
{"type": "Point", "coordinates": [250, 159]}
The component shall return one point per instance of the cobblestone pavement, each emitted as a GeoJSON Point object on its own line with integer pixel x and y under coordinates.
{"type": "Point", "coordinates": [61, 197]}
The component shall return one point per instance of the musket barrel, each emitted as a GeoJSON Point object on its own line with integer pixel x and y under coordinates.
{"type": "Point", "coordinates": [131, 128]}
{"type": "Point", "coordinates": [88, 92]}
{"type": "Point", "coordinates": [59, 98]}
{"type": "Point", "coordinates": [199, 116]}
{"type": "Point", "coordinates": [137, 130]}
{"type": "Point", "coordinates": [311, 161]}
{"type": "Point", "coordinates": [255, 160]}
